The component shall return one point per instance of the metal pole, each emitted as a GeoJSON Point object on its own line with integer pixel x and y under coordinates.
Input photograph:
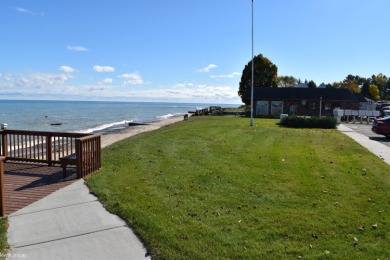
{"type": "Point", "coordinates": [251, 122]}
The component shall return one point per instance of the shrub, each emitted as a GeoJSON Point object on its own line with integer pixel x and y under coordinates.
{"type": "Point", "coordinates": [309, 122]}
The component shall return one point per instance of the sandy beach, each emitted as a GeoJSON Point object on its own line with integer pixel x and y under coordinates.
{"type": "Point", "coordinates": [112, 137]}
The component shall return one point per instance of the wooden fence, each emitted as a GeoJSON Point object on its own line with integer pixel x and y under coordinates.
{"type": "Point", "coordinates": [2, 192]}
{"type": "Point", "coordinates": [49, 148]}
{"type": "Point", "coordinates": [88, 155]}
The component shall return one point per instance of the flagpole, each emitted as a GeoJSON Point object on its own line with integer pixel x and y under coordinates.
{"type": "Point", "coordinates": [251, 122]}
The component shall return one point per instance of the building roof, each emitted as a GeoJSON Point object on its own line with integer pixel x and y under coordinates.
{"type": "Point", "coordinates": [330, 94]}
{"type": "Point", "coordinates": [302, 85]}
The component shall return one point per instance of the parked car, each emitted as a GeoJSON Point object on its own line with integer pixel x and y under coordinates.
{"type": "Point", "coordinates": [379, 106]}
{"type": "Point", "coordinates": [385, 111]}
{"type": "Point", "coordinates": [381, 126]}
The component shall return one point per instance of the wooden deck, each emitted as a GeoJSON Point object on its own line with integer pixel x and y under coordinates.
{"type": "Point", "coordinates": [35, 152]}
{"type": "Point", "coordinates": [25, 183]}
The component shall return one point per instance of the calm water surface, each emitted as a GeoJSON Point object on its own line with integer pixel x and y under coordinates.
{"type": "Point", "coordinates": [87, 116]}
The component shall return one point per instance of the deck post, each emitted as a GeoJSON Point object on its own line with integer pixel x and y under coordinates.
{"type": "Point", "coordinates": [79, 155]}
{"type": "Point", "coordinates": [48, 149]}
{"type": "Point", "coordinates": [4, 144]}
{"type": "Point", "coordinates": [2, 192]}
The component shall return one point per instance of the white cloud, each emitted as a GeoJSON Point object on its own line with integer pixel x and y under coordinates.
{"type": "Point", "coordinates": [26, 11]}
{"type": "Point", "coordinates": [132, 79]}
{"type": "Point", "coordinates": [67, 69]}
{"type": "Point", "coordinates": [103, 68]}
{"type": "Point", "coordinates": [105, 81]}
{"type": "Point", "coordinates": [23, 10]}
{"type": "Point", "coordinates": [182, 85]}
{"type": "Point", "coordinates": [46, 79]}
{"type": "Point", "coordinates": [208, 68]}
{"type": "Point", "coordinates": [96, 89]}
{"type": "Point", "coordinates": [194, 93]}
{"type": "Point", "coordinates": [76, 48]}
{"type": "Point", "coordinates": [34, 82]}
{"type": "Point", "coordinates": [48, 85]}
{"type": "Point", "coordinates": [37, 85]}
{"type": "Point", "coordinates": [231, 75]}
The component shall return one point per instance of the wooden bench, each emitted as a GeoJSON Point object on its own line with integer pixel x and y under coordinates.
{"type": "Point", "coordinates": [68, 160]}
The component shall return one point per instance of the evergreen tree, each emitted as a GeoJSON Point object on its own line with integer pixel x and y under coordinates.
{"type": "Point", "coordinates": [265, 75]}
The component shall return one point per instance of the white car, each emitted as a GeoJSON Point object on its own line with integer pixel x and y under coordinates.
{"type": "Point", "coordinates": [385, 111]}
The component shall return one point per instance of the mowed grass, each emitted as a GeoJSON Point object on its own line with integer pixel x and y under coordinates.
{"type": "Point", "coordinates": [3, 237]}
{"type": "Point", "coordinates": [215, 188]}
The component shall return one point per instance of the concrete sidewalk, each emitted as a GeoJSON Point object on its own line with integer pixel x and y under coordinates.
{"type": "Point", "coordinates": [71, 224]}
{"type": "Point", "coordinates": [380, 150]}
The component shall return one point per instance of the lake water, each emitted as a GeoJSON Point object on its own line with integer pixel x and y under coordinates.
{"type": "Point", "coordinates": [87, 116]}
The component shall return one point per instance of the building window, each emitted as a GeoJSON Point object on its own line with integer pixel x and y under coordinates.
{"type": "Point", "coordinates": [328, 106]}
{"type": "Point", "coordinates": [276, 108]}
{"type": "Point", "coordinates": [262, 108]}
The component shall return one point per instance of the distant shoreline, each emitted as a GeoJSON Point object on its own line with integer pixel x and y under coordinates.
{"type": "Point", "coordinates": [86, 117]}
{"type": "Point", "coordinates": [114, 136]}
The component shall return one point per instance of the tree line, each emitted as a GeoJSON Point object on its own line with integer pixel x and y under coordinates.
{"type": "Point", "coordinates": [377, 87]}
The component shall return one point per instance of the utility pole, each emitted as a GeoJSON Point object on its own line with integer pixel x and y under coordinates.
{"type": "Point", "coordinates": [251, 122]}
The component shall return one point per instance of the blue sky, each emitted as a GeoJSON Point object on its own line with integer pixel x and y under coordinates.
{"type": "Point", "coordinates": [181, 51]}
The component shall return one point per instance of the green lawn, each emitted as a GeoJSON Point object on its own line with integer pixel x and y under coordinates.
{"type": "Point", "coordinates": [234, 109]}
{"type": "Point", "coordinates": [3, 237]}
{"type": "Point", "coordinates": [215, 188]}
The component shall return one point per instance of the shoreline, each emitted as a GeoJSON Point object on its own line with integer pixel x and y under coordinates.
{"type": "Point", "coordinates": [118, 135]}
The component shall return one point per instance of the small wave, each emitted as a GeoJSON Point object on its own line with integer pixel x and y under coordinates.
{"type": "Point", "coordinates": [167, 116]}
{"type": "Point", "coordinates": [102, 127]}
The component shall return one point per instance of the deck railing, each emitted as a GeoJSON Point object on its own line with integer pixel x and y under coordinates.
{"type": "Point", "coordinates": [88, 155]}
{"type": "Point", "coordinates": [50, 147]}
{"type": "Point", "coordinates": [2, 192]}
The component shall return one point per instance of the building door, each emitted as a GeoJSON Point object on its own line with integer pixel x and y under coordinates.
{"type": "Point", "coordinates": [276, 108]}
